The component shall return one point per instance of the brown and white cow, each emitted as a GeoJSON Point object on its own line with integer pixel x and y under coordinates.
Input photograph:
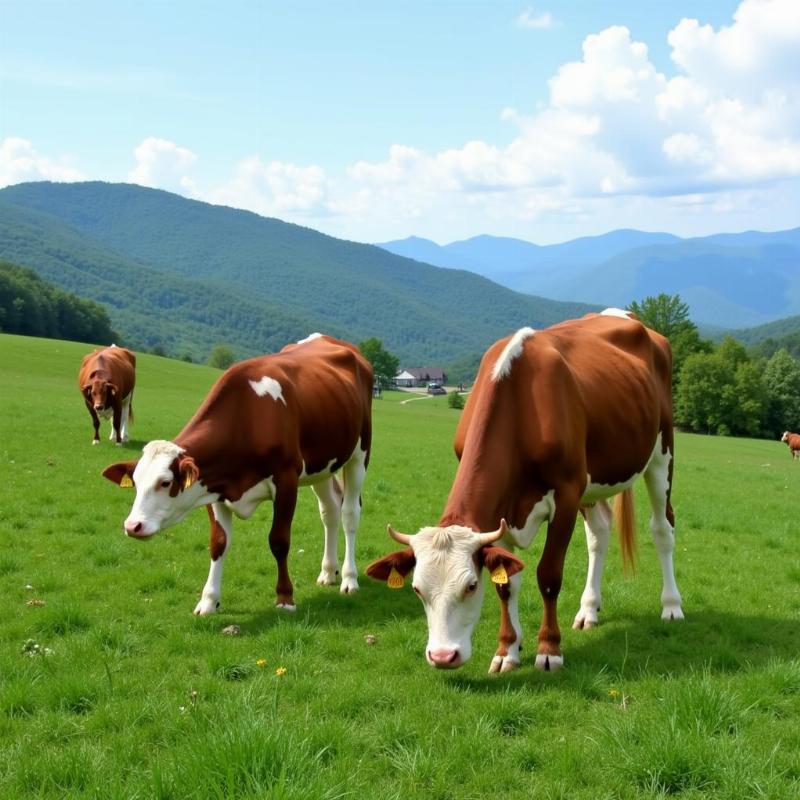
{"type": "Point", "coordinates": [106, 380]}
{"type": "Point", "coordinates": [268, 426]}
{"type": "Point", "coordinates": [793, 440]}
{"type": "Point", "coordinates": [559, 420]}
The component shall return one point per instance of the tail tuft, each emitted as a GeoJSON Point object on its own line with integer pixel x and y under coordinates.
{"type": "Point", "coordinates": [624, 514]}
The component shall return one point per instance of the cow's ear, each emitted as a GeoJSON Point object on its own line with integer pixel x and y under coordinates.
{"type": "Point", "coordinates": [112, 388]}
{"type": "Point", "coordinates": [500, 562]}
{"type": "Point", "coordinates": [121, 473]}
{"type": "Point", "coordinates": [393, 568]}
{"type": "Point", "coordinates": [188, 471]}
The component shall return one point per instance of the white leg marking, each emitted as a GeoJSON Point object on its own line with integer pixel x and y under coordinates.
{"type": "Point", "coordinates": [656, 478]}
{"type": "Point", "coordinates": [209, 600]}
{"type": "Point", "coordinates": [597, 525]}
{"type": "Point", "coordinates": [124, 419]}
{"type": "Point", "coordinates": [353, 474]}
{"type": "Point", "coordinates": [330, 511]}
{"type": "Point", "coordinates": [512, 659]}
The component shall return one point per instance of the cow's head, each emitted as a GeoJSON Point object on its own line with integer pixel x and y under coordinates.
{"type": "Point", "coordinates": [448, 567]}
{"type": "Point", "coordinates": [785, 437]}
{"type": "Point", "coordinates": [99, 392]}
{"type": "Point", "coordinates": [167, 487]}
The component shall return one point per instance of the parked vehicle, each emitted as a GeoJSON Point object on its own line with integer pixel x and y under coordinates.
{"type": "Point", "coordinates": [436, 388]}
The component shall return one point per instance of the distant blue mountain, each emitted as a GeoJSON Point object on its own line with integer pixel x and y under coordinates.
{"type": "Point", "coordinates": [728, 279]}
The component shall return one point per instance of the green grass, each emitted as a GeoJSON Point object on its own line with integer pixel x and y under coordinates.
{"type": "Point", "coordinates": [139, 699]}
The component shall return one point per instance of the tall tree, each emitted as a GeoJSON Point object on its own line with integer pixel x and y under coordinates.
{"type": "Point", "coordinates": [221, 357]}
{"type": "Point", "coordinates": [384, 364]}
{"type": "Point", "coordinates": [782, 382]}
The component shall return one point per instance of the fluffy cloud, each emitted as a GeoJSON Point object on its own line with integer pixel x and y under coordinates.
{"type": "Point", "coordinates": [275, 188]}
{"type": "Point", "coordinates": [162, 164]}
{"type": "Point", "coordinates": [20, 162]}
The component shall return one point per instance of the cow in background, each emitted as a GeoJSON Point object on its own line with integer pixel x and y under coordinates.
{"type": "Point", "coordinates": [793, 440]}
{"type": "Point", "coordinates": [558, 421]}
{"type": "Point", "coordinates": [268, 425]}
{"type": "Point", "coordinates": [106, 380]}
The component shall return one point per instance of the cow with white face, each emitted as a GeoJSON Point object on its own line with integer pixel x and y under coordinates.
{"type": "Point", "coordinates": [558, 422]}
{"type": "Point", "coordinates": [448, 568]}
{"type": "Point", "coordinates": [268, 426]}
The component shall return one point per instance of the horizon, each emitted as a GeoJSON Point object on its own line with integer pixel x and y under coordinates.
{"type": "Point", "coordinates": [544, 122]}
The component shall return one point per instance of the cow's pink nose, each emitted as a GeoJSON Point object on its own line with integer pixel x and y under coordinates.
{"type": "Point", "coordinates": [445, 659]}
{"type": "Point", "coordinates": [133, 528]}
{"type": "Point", "coordinates": [98, 406]}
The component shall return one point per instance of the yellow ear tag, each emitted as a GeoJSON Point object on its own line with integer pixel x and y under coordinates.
{"type": "Point", "coordinates": [395, 580]}
{"type": "Point", "coordinates": [188, 481]}
{"type": "Point", "coordinates": [126, 482]}
{"type": "Point", "coordinates": [499, 575]}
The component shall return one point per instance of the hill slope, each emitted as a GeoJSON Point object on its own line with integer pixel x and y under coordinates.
{"type": "Point", "coordinates": [421, 312]}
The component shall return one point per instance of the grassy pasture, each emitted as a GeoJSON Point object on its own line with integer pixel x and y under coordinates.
{"type": "Point", "coordinates": [139, 699]}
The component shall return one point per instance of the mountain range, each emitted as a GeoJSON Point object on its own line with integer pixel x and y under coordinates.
{"type": "Point", "coordinates": [729, 280]}
{"type": "Point", "coordinates": [183, 275]}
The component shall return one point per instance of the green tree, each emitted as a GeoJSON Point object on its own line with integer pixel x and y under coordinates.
{"type": "Point", "coordinates": [455, 400]}
{"type": "Point", "coordinates": [669, 315]}
{"type": "Point", "coordinates": [384, 364]}
{"type": "Point", "coordinates": [221, 357]}
{"type": "Point", "coordinates": [701, 394]}
{"type": "Point", "coordinates": [782, 383]}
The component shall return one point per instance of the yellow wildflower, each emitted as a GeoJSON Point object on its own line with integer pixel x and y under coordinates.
{"type": "Point", "coordinates": [613, 692]}
{"type": "Point", "coordinates": [261, 663]}
{"type": "Point", "coordinates": [280, 671]}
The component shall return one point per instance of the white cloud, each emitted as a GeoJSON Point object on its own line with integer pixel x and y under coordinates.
{"type": "Point", "coordinates": [274, 188]}
{"type": "Point", "coordinates": [539, 21]}
{"type": "Point", "coordinates": [20, 162]}
{"type": "Point", "coordinates": [162, 164]}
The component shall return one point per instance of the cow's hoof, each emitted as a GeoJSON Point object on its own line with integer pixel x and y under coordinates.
{"type": "Point", "coordinates": [672, 612]}
{"type": "Point", "coordinates": [118, 444]}
{"type": "Point", "coordinates": [206, 606]}
{"type": "Point", "coordinates": [503, 664]}
{"type": "Point", "coordinates": [349, 585]}
{"type": "Point", "coordinates": [290, 607]}
{"type": "Point", "coordinates": [585, 618]}
{"type": "Point", "coordinates": [327, 577]}
{"type": "Point", "coordinates": [548, 663]}
{"type": "Point", "coordinates": [95, 441]}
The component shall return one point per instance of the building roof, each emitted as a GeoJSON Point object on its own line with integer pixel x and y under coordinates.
{"type": "Point", "coordinates": [405, 375]}
{"type": "Point", "coordinates": [425, 373]}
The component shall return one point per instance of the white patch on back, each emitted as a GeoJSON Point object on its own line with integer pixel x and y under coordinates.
{"type": "Point", "coordinates": [514, 347]}
{"type": "Point", "coordinates": [268, 386]}
{"type": "Point", "coordinates": [310, 338]}
{"type": "Point", "coordinates": [616, 312]}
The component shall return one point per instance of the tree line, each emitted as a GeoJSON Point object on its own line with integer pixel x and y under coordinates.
{"type": "Point", "coordinates": [724, 388]}
{"type": "Point", "coordinates": [32, 307]}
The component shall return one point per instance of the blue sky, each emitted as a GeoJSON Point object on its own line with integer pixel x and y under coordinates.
{"type": "Point", "coordinates": [380, 120]}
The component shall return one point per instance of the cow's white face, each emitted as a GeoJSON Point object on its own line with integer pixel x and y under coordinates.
{"type": "Point", "coordinates": [447, 578]}
{"type": "Point", "coordinates": [166, 485]}
{"type": "Point", "coordinates": [785, 437]}
{"type": "Point", "coordinates": [448, 565]}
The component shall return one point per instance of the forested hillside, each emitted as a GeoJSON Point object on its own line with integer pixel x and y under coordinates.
{"type": "Point", "coordinates": [33, 307]}
{"type": "Point", "coordinates": [169, 266]}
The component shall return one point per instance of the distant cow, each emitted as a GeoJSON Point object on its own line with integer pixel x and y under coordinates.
{"type": "Point", "coordinates": [106, 380]}
{"type": "Point", "coordinates": [559, 420]}
{"type": "Point", "coordinates": [268, 425]}
{"type": "Point", "coordinates": [793, 440]}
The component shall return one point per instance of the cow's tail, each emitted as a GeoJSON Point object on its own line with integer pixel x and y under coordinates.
{"type": "Point", "coordinates": [625, 516]}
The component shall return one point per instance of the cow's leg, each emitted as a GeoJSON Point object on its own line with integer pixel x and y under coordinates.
{"type": "Point", "coordinates": [96, 423]}
{"type": "Point", "coordinates": [124, 419]}
{"type": "Point", "coordinates": [658, 478]}
{"type": "Point", "coordinates": [329, 496]}
{"type": "Point", "coordinates": [509, 638]}
{"type": "Point", "coordinates": [280, 538]}
{"type": "Point", "coordinates": [549, 574]}
{"type": "Point", "coordinates": [116, 424]}
{"type": "Point", "coordinates": [221, 521]}
{"type": "Point", "coordinates": [597, 525]}
{"type": "Point", "coordinates": [353, 474]}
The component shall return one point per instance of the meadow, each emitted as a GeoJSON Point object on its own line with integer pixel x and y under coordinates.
{"type": "Point", "coordinates": [111, 688]}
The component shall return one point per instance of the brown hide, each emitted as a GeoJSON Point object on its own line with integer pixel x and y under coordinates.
{"type": "Point", "coordinates": [237, 438]}
{"type": "Point", "coordinates": [586, 396]}
{"type": "Point", "coordinates": [107, 377]}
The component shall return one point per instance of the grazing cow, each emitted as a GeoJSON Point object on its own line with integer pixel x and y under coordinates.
{"type": "Point", "coordinates": [793, 440]}
{"type": "Point", "coordinates": [268, 425]}
{"type": "Point", "coordinates": [106, 380]}
{"type": "Point", "coordinates": [559, 420]}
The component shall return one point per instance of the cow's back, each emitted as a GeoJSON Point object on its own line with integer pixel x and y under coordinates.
{"type": "Point", "coordinates": [118, 363]}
